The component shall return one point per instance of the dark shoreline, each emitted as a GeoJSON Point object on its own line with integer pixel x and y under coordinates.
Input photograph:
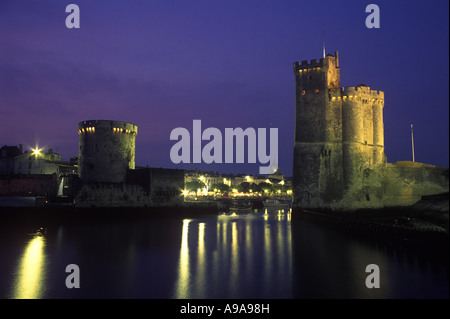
{"type": "Point", "coordinates": [426, 222]}
{"type": "Point", "coordinates": [391, 227]}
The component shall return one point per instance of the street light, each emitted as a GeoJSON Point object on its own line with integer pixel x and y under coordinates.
{"type": "Point", "coordinates": [36, 151]}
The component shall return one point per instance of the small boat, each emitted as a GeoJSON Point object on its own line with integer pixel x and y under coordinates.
{"type": "Point", "coordinates": [240, 206]}
{"type": "Point", "coordinates": [40, 232]}
{"type": "Point", "coordinates": [276, 204]}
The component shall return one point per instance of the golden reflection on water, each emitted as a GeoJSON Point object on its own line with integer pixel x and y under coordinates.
{"type": "Point", "coordinates": [227, 258]}
{"type": "Point", "coordinates": [31, 271]}
{"type": "Point", "coordinates": [234, 273]}
{"type": "Point", "coordinates": [183, 282]}
{"type": "Point", "coordinates": [201, 269]}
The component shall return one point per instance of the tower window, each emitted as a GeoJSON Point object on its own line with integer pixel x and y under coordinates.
{"type": "Point", "coordinates": [317, 91]}
{"type": "Point", "coordinates": [303, 92]}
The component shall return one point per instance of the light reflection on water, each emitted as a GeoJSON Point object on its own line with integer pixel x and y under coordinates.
{"type": "Point", "coordinates": [255, 255]}
{"type": "Point", "coordinates": [228, 258]}
{"type": "Point", "coordinates": [30, 277]}
{"type": "Point", "coordinates": [183, 283]}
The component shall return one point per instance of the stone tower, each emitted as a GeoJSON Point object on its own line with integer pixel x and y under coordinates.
{"type": "Point", "coordinates": [339, 143]}
{"type": "Point", "coordinates": [107, 150]}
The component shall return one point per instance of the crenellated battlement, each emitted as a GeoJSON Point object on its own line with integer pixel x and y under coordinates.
{"type": "Point", "coordinates": [104, 125]}
{"type": "Point", "coordinates": [360, 90]}
{"type": "Point", "coordinates": [315, 64]}
{"type": "Point", "coordinates": [356, 93]}
{"type": "Point", "coordinates": [312, 63]}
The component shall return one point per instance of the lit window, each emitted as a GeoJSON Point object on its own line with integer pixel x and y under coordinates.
{"type": "Point", "coordinates": [317, 91]}
{"type": "Point", "coordinates": [303, 92]}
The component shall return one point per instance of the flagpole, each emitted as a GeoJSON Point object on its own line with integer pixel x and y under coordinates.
{"type": "Point", "coordinates": [323, 36]}
{"type": "Point", "coordinates": [412, 143]}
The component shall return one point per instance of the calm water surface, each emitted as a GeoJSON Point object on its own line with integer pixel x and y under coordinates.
{"type": "Point", "coordinates": [254, 255]}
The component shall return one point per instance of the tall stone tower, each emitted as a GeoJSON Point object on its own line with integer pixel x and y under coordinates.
{"type": "Point", "coordinates": [107, 150]}
{"type": "Point", "coordinates": [339, 143]}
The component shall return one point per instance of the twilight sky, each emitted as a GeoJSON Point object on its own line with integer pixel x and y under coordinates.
{"type": "Point", "coordinates": [161, 64]}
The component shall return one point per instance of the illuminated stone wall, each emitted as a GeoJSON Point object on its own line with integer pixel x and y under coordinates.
{"type": "Point", "coordinates": [339, 159]}
{"type": "Point", "coordinates": [406, 182]}
{"type": "Point", "coordinates": [106, 150]}
{"type": "Point", "coordinates": [106, 167]}
{"type": "Point", "coordinates": [317, 174]}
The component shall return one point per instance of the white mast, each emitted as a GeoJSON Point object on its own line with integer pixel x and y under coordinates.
{"type": "Point", "coordinates": [412, 142]}
{"type": "Point", "coordinates": [323, 36]}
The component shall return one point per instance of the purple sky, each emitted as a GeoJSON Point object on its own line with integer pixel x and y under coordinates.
{"type": "Point", "coordinates": [161, 64]}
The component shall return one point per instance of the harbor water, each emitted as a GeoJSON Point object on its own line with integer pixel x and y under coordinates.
{"type": "Point", "coordinates": [256, 254]}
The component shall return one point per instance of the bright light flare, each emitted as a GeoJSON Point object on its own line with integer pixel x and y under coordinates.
{"type": "Point", "coordinates": [36, 151]}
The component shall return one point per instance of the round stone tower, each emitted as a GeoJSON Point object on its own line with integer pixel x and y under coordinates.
{"type": "Point", "coordinates": [106, 150]}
